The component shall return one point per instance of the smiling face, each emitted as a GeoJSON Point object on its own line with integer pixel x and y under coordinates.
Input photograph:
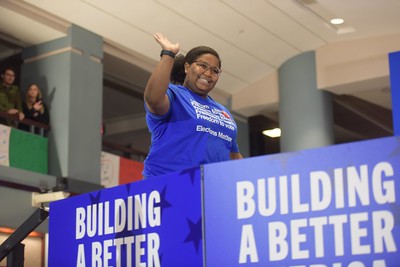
{"type": "Point", "coordinates": [33, 93]}
{"type": "Point", "coordinates": [200, 75]}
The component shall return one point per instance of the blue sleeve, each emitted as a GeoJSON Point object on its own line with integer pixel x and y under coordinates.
{"type": "Point", "coordinates": [235, 147]}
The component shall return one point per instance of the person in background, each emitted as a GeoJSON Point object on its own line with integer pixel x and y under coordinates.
{"type": "Point", "coordinates": [10, 97]}
{"type": "Point", "coordinates": [188, 128]}
{"type": "Point", "coordinates": [34, 108]}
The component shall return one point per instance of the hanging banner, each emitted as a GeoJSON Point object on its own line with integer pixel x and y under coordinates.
{"type": "Point", "coordinates": [116, 170]}
{"type": "Point", "coordinates": [130, 170]}
{"type": "Point", "coordinates": [23, 150]}
{"type": "Point", "coordinates": [154, 222]}
{"type": "Point", "coordinates": [28, 151]}
{"type": "Point", "coordinates": [337, 206]}
{"type": "Point", "coordinates": [4, 145]}
{"type": "Point", "coordinates": [109, 174]}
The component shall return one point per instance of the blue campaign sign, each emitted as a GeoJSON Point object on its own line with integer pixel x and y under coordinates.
{"type": "Point", "coordinates": [336, 206]}
{"type": "Point", "coordinates": [394, 64]}
{"type": "Point", "coordinates": [155, 222]}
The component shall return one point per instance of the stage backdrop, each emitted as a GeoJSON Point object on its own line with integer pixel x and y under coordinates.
{"type": "Point", "coordinates": [336, 206]}
{"type": "Point", "coordinates": [147, 223]}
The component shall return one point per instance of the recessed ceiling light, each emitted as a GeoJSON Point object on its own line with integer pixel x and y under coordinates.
{"type": "Point", "coordinates": [337, 21]}
{"type": "Point", "coordinates": [272, 132]}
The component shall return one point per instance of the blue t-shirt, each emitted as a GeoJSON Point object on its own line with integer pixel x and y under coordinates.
{"type": "Point", "coordinates": [193, 132]}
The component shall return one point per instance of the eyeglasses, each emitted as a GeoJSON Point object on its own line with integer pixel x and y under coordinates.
{"type": "Point", "coordinates": [215, 72]}
{"type": "Point", "coordinates": [7, 73]}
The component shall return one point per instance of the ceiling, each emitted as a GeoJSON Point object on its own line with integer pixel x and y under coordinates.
{"type": "Point", "coordinates": [254, 38]}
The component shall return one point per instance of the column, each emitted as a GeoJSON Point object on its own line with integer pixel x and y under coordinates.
{"type": "Point", "coordinates": [305, 112]}
{"type": "Point", "coordinates": [69, 71]}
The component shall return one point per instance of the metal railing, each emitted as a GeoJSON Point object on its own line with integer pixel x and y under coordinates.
{"type": "Point", "coordinates": [12, 248]}
{"type": "Point", "coordinates": [32, 124]}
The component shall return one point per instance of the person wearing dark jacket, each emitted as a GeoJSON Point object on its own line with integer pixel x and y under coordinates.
{"type": "Point", "coordinates": [34, 108]}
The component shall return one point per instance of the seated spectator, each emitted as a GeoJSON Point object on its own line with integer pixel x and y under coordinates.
{"type": "Point", "coordinates": [34, 108]}
{"type": "Point", "coordinates": [10, 98]}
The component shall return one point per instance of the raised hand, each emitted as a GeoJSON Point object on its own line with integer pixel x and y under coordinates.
{"type": "Point", "coordinates": [166, 44]}
{"type": "Point", "coordinates": [38, 105]}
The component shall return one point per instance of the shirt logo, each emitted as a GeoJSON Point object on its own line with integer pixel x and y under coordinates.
{"type": "Point", "coordinates": [225, 114]}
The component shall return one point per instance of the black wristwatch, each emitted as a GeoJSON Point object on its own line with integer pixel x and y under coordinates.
{"type": "Point", "coordinates": [167, 52]}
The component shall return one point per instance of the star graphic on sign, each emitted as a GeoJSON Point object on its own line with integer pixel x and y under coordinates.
{"type": "Point", "coordinates": [128, 187]}
{"type": "Point", "coordinates": [164, 204]}
{"type": "Point", "coordinates": [194, 234]}
{"type": "Point", "coordinates": [396, 150]}
{"type": "Point", "coordinates": [191, 172]}
{"type": "Point", "coordinates": [94, 199]}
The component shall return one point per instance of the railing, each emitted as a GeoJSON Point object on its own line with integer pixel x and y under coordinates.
{"type": "Point", "coordinates": [32, 124]}
{"type": "Point", "coordinates": [126, 151]}
{"type": "Point", "coordinates": [12, 248]}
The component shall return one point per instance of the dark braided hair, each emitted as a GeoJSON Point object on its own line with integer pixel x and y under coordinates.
{"type": "Point", "coordinates": [178, 70]}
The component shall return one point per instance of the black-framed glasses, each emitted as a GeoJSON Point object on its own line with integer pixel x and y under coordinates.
{"type": "Point", "coordinates": [205, 66]}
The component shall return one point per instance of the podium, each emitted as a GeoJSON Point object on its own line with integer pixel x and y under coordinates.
{"type": "Point", "coordinates": [334, 206]}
